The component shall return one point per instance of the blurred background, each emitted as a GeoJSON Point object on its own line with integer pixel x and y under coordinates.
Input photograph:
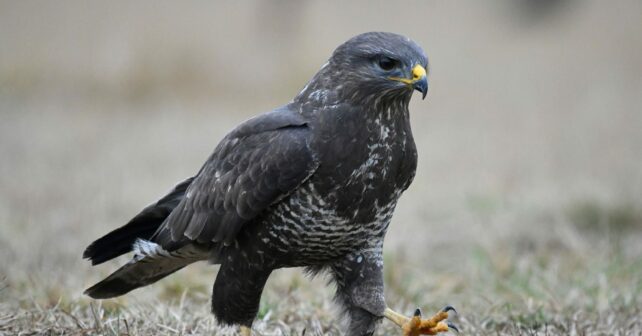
{"type": "Point", "coordinates": [524, 213]}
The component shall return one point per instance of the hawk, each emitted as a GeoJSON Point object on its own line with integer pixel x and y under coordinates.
{"type": "Point", "coordinates": [311, 184]}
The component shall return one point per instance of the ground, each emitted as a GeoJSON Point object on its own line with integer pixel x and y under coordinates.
{"type": "Point", "coordinates": [525, 213]}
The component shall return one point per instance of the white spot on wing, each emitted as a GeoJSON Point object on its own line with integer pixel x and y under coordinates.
{"type": "Point", "coordinates": [145, 248]}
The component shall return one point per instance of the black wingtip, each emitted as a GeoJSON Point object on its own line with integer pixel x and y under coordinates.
{"type": "Point", "coordinates": [90, 254]}
{"type": "Point", "coordinates": [143, 225]}
{"type": "Point", "coordinates": [417, 312]}
{"type": "Point", "coordinates": [109, 288]}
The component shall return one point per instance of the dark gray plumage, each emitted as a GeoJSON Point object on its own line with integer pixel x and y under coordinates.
{"type": "Point", "coordinates": [313, 183]}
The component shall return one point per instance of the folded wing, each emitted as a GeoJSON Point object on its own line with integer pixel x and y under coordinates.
{"type": "Point", "coordinates": [253, 167]}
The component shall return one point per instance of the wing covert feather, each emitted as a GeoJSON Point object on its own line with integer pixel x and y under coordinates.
{"type": "Point", "coordinates": [253, 167]}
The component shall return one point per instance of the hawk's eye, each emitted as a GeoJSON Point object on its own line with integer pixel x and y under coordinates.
{"type": "Point", "coordinates": [387, 63]}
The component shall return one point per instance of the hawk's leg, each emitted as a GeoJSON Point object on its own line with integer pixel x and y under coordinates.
{"type": "Point", "coordinates": [359, 279]}
{"type": "Point", "coordinates": [360, 290]}
{"type": "Point", "coordinates": [237, 294]}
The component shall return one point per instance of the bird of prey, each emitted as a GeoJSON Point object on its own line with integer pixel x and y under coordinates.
{"type": "Point", "coordinates": [311, 184]}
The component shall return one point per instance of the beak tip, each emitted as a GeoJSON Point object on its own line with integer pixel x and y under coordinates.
{"type": "Point", "coordinates": [422, 86]}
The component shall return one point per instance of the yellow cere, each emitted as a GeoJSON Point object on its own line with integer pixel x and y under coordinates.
{"type": "Point", "coordinates": [418, 72]}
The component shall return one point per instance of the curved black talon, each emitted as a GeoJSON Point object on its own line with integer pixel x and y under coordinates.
{"type": "Point", "coordinates": [417, 312]}
{"type": "Point", "coordinates": [452, 326]}
{"type": "Point", "coordinates": [449, 308]}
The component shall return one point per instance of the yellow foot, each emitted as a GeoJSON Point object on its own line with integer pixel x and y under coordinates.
{"type": "Point", "coordinates": [245, 331]}
{"type": "Point", "coordinates": [415, 326]}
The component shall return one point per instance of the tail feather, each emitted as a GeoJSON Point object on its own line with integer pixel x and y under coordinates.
{"type": "Point", "coordinates": [142, 226]}
{"type": "Point", "coordinates": [150, 264]}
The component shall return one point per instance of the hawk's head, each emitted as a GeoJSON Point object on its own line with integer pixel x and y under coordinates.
{"type": "Point", "coordinates": [381, 63]}
{"type": "Point", "coordinates": [372, 67]}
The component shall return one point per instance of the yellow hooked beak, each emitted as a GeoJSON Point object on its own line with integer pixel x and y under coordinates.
{"type": "Point", "coordinates": [418, 81]}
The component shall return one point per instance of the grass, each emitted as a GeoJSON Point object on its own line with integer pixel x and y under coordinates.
{"type": "Point", "coordinates": [550, 287]}
{"type": "Point", "coordinates": [556, 296]}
